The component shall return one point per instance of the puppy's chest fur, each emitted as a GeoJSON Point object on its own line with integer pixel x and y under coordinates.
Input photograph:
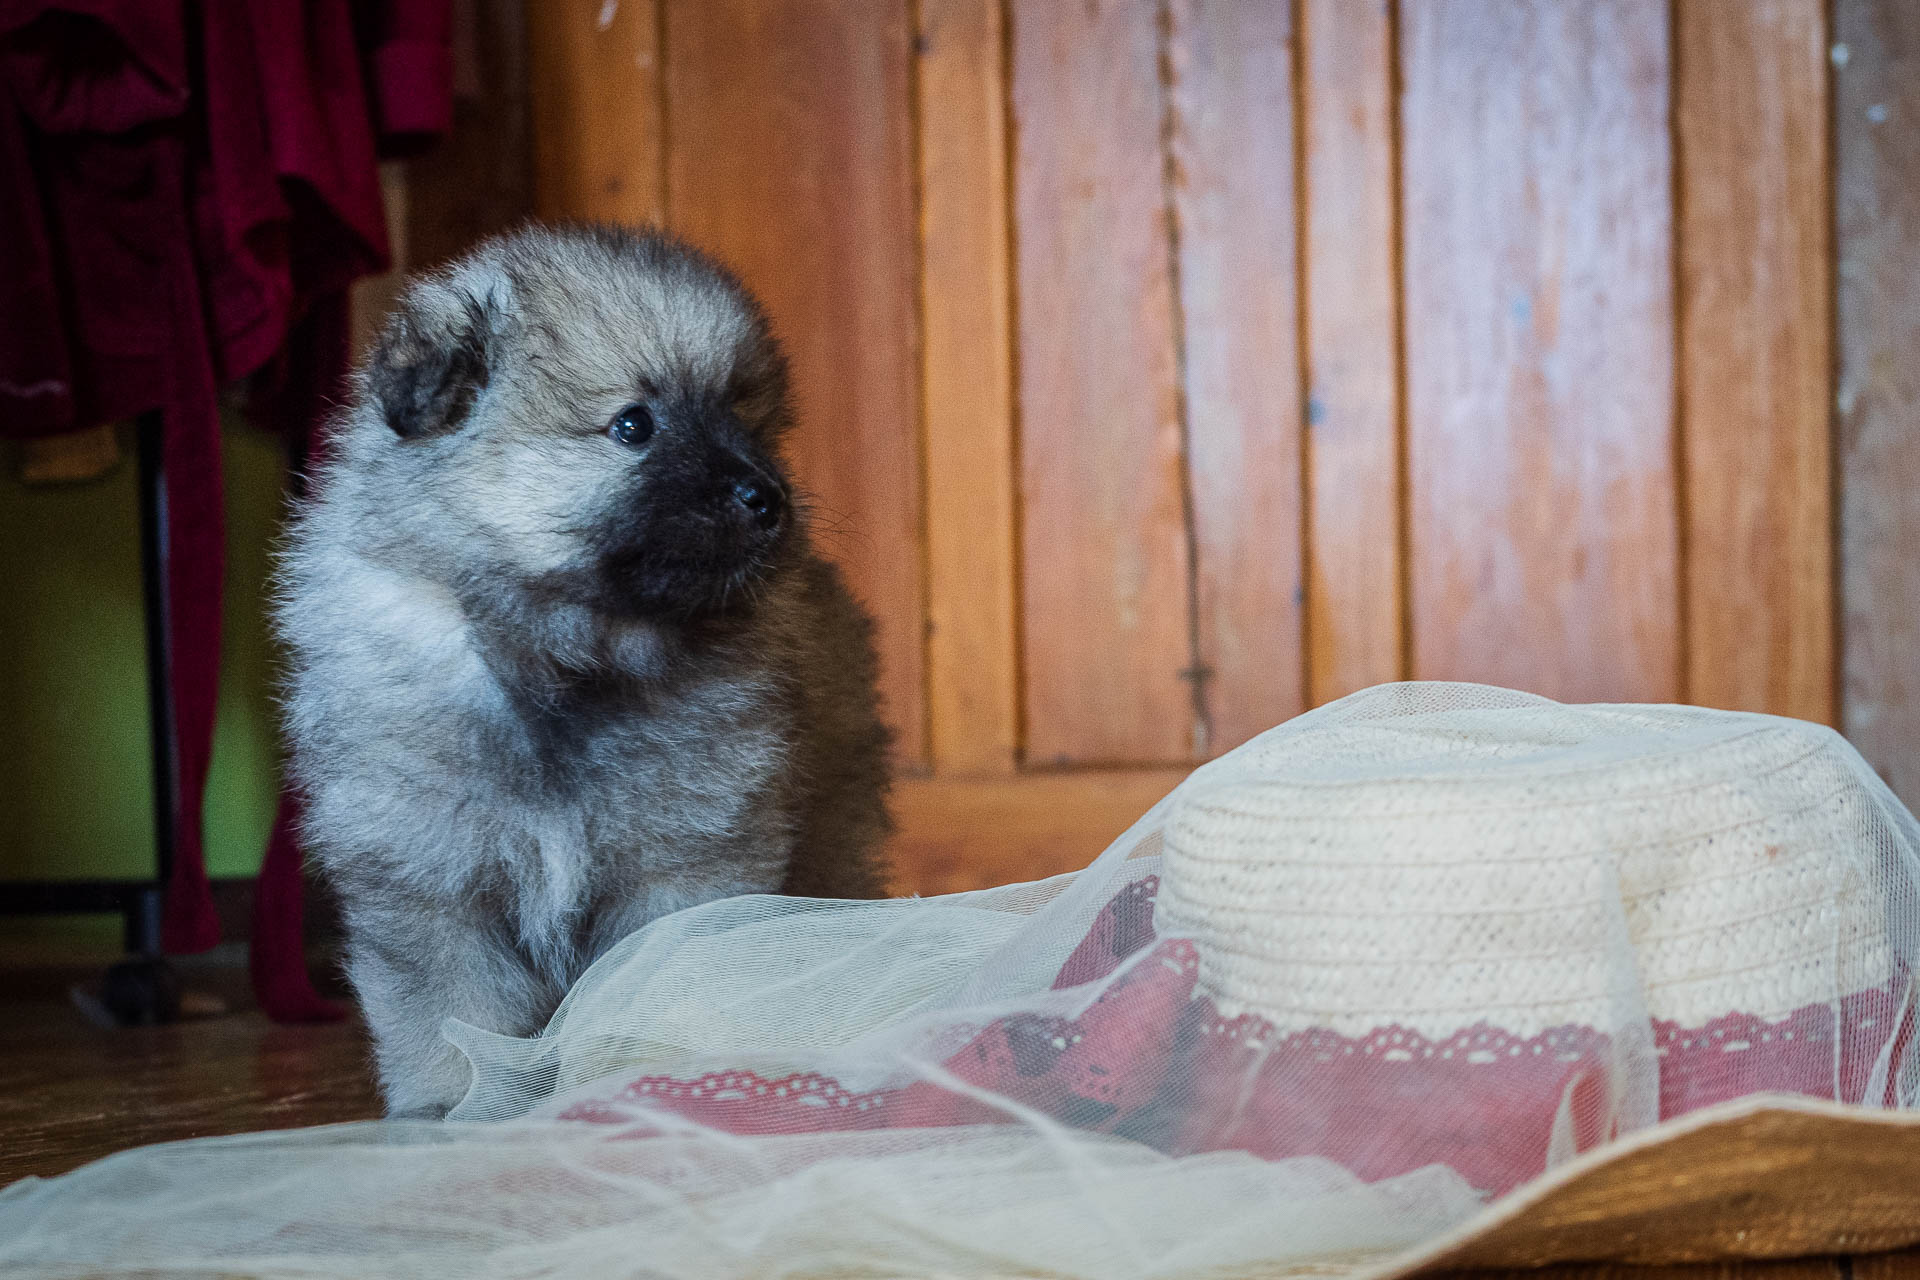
{"type": "Point", "coordinates": [635, 803]}
{"type": "Point", "coordinates": [560, 810]}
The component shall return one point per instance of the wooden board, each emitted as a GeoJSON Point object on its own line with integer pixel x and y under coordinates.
{"type": "Point", "coordinates": [1104, 560]}
{"type": "Point", "coordinates": [1886, 1266]}
{"type": "Point", "coordinates": [974, 834]}
{"type": "Point", "coordinates": [1734, 1185]}
{"type": "Point", "coordinates": [790, 154]}
{"type": "Point", "coordinates": [1791, 1269]}
{"type": "Point", "coordinates": [1539, 335]}
{"type": "Point", "coordinates": [1751, 122]}
{"type": "Point", "coordinates": [1229, 77]}
{"type": "Point", "coordinates": [966, 299]}
{"type": "Point", "coordinates": [1355, 588]}
{"type": "Point", "coordinates": [1876, 103]}
{"type": "Point", "coordinates": [595, 82]}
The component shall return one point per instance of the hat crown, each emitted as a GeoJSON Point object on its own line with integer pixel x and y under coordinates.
{"type": "Point", "coordinates": [1439, 856]}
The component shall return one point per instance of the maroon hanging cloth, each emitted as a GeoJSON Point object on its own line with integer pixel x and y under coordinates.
{"type": "Point", "coordinates": [104, 103]}
{"type": "Point", "coordinates": [323, 147]}
{"type": "Point", "coordinates": [189, 191]}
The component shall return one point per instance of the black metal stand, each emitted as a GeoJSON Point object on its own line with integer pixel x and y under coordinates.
{"type": "Point", "coordinates": [142, 989]}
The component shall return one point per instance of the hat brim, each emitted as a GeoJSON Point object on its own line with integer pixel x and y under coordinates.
{"type": "Point", "coordinates": [1768, 1176]}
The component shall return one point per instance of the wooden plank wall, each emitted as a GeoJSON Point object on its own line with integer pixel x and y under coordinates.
{"type": "Point", "coordinates": [1170, 366]}
{"type": "Point", "coordinates": [1876, 106]}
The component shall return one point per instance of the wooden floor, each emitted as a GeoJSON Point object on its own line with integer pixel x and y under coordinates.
{"type": "Point", "coordinates": [71, 1091]}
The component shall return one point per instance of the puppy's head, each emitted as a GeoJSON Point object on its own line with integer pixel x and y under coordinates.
{"type": "Point", "coordinates": [593, 412]}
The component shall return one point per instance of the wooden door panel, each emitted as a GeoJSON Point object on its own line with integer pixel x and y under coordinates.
{"type": "Point", "coordinates": [1104, 545]}
{"type": "Point", "coordinates": [1877, 225]}
{"type": "Point", "coordinates": [1165, 368]}
{"type": "Point", "coordinates": [1355, 592]}
{"type": "Point", "coordinates": [966, 296]}
{"type": "Point", "coordinates": [1751, 121]}
{"type": "Point", "coordinates": [1539, 337]}
{"type": "Point", "coordinates": [595, 83]}
{"type": "Point", "coordinates": [1229, 78]}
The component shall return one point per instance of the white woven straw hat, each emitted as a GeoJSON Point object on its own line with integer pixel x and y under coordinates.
{"type": "Point", "coordinates": [1433, 857]}
{"type": "Point", "coordinates": [1508, 930]}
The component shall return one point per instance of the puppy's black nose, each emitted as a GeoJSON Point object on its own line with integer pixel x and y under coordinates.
{"type": "Point", "coordinates": [761, 501]}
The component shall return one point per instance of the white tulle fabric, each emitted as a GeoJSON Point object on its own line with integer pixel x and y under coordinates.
{"type": "Point", "coordinates": [1343, 988]}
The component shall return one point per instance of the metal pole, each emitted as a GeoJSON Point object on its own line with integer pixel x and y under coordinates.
{"type": "Point", "coordinates": [142, 990]}
{"type": "Point", "coordinates": [143, 913]}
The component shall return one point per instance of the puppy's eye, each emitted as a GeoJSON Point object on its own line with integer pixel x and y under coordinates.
{"type": "Point", "coordinates": [632, 426]}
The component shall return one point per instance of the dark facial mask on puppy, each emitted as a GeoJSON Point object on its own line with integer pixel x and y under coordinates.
{"type": "Point", "coordinates": [708, 516]}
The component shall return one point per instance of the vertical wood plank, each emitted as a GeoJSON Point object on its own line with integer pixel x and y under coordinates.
{"type": "Point", "coordinates": [1539, 346]}
{"type": "Point", "coordinates": [1752, 1269]}
{"type": "Point", "coordinates": [1103, 527]}
{"type": "Point", "coordinates": [1354, 587]}
{"type": "Point", "coordinates": [1876, 106]}
{"type": "Point", "coordinates": [594, 72]}
{"type": "Point", "coordinates": [790, 155]}
{"type": "Point", "coordinates": [966, 310]}
{"type": "Point", "coordinates": [478, 180]}
{"type": "Point", "coordinates": [1751, 122]}
{"type": "Point", "coordinates": [1230, 77]}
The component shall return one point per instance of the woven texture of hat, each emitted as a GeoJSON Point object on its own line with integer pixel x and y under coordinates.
{"type": "Point", "coordinates": [1431, 865]}
{"type": "Point", "coordinates": [1340, 994]}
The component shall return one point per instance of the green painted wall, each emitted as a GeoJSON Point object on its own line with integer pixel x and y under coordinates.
{"type": "Point", "coordinates": [75, 781]}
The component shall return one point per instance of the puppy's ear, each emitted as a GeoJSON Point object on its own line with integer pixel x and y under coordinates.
{"type": "Point", "coordinates": [432, 360]}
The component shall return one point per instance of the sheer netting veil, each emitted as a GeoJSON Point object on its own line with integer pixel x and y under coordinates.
{"type": "Point", "coordinates": [1345, 987]}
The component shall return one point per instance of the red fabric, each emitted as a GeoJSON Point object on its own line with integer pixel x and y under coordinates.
{"type": "Point", "coordinates": [185, 188]}
{"type": "Point", "coordinates": [97, 66]}
{"type": "Point", "coordinates": [411, 69]}
{"type": "Point", "coordinates": [36, 378]}
{"type": "Point", "coordinates": [311, 380]}
{"type": "Point", "coordinates": [196, 551]}
{"type": "Point", "coordinates": [275, 956]}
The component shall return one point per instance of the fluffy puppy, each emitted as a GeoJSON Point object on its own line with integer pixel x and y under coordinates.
{"type": "Point", "coordinates": [563, 657]}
